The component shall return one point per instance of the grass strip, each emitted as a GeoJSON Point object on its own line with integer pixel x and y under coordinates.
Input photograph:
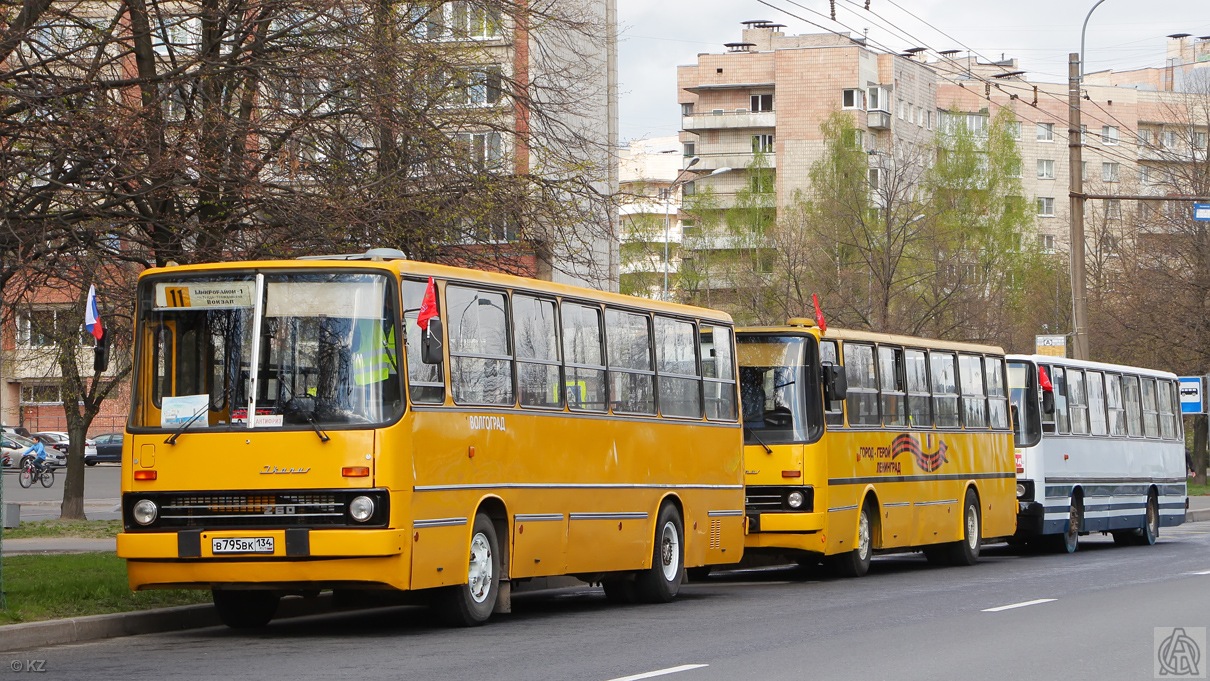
{"type": "Point", "coordinates": [54, 586]}
{"type": "Point", "coordinates": [87, 529]}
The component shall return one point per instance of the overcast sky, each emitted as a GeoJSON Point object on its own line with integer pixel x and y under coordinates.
{"type": "Point", "coordinates": [657, 35]}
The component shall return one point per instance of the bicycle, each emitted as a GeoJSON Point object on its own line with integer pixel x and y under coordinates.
{"type": "Point", "coordinates": [31, 472]}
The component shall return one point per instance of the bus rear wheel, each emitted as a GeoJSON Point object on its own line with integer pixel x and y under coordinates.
{"type": "Point", "coordinates": [245, 609]}
{"type": "Point", "coordinates": [856, 563]}
{"type": "Point", "coordinates": [472, 603]}
{"type": "Point", "coordinates": [1069, 540]}
{"type": "Point", "coordinates": [662, 581]}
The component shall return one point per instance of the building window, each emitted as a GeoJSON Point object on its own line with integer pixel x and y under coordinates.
{"type": "Point", "coordinates": [928, 119]}
{"type": "Point", "coordinates": [1014, 130]}
{"type": "Point", "coordinates": [177, 35]}
{"type": "Point", "coordinates": [1168, 139]}
{"type": "Point", "coordinates": [902, 106]}
{"type": "Point", "coordinates": [880, 99]}
{"type": "Point", "coordinates": [762, 103]}
{"type": "Point", "coordinates": [1109, 134]}
{"type": "Point", "coordinates": [687, 109]}
{"type": "Point", "coordinates": [853, 99]}
{"type": "Point", "coordinates": [483, 87]}
{"type": "Point", "coordinates": [1047, 243]}
{"type": "Point", "coordinates": [1113, 209]}
{"type": "Point", "coordinates": [1109, 172]}
{"type": "Point", "coordinates": [1014, 170]}
{"type": "Point", "coordinates": [1145, 137]}
{"type": "Point", "coordinates": [690, 149]}
{"type": "Point", "coordinates": [1046, 132]}
{"type": "Point", "coordinates": [858, 140]}
{"type": "Point", "coordinates": [41, 394]}
{"type": "Point", "coordinates": [40, 328]}
{"type": "Point", "coordinates": [762, 144]}
{"type": "Point", "coordinates": [1144, 174]}
{"type": "Point", "coordinates": [484, 149]}
{"type": "Point", "coordinates": [1046, 169]}
{"type": "Point", "coordinates": [1199, 141]}
{"type": "Point", "coordinates": [1046, 206]}
{"type": "Point", "coordinates": [875, 175]}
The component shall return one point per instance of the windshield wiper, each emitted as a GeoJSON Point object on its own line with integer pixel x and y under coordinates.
{"type": "Point", "coordinates": [323, 437]}
{"type": "Point", "coordinates": [750, 431]}
{"type": "Point", "coordinates": [177, 433]}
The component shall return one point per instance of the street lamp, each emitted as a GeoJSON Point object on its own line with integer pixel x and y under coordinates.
{"type": "Point", "coordinates": [667, 196]}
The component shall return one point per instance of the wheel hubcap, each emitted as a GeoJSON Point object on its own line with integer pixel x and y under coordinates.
{"type": "Point", "coordinates": [670, 551]}
{"type": "Point", "coordinates": [972, 527]}
{"type": "Point", "coordinates": [1153, 519]}
{"type": "Point", "coordinates": [863, 536]}
{"type": "Point", "coordinates": [479, 581]}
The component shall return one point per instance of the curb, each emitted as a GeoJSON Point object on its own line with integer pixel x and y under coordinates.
{"type": "Point", "coordinates": [1197, 515]}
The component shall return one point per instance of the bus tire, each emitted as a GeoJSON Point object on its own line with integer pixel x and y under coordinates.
{"type": "Point", "coordinates": [472, 603]}
{"type": "Point", "coordinates": [966, 551]}
{"type": "Point", "coordinates": [1151, 523]}
{"type": "Point", "coordinates": [856, 563]}
{"type": "Point", "coordinates": [661, 582]}
{"type": "Point", "coordinates": [1069, 540]}
{"type": "Point", "coordinates": [245, 609]}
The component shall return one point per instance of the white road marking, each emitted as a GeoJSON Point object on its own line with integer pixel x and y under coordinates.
{"type": "Point", "coordinates": [1020, 605]}
{"type": "Point", "coordinates": [1203, 572]}
{"type": "Point", "coordinates": [660, 672]}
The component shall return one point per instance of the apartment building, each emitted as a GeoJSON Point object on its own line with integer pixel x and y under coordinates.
{"type": "Point", "coordinates": [767, 94]}
{"type": "Point", "coordinates": [650, 179]}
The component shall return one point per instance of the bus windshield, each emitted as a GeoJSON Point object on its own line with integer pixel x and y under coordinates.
{"type": "Point", "coordinates": [1023, 398]}
{"type": "Point", "coordinates": [325, 345]}
{"type": "Point", "coordinates": [775, 385]}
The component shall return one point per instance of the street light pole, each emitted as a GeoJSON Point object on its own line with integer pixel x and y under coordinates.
{"type": "Point", "coordinates": [667, 194]}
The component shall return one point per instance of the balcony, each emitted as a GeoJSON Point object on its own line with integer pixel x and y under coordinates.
{"type": "Point", "coordinates": [734, 160]}
{"type": "Point", "coordinates": [726, 119]}
{"type": "Point", "coordinates": [1170, 155]}
{"type": "Point", "coordinates": [878, 120]}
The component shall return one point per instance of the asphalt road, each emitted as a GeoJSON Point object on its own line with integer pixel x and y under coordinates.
{"type": "Point", "coordinates": [102, 493]}
{"type": "Point", "coordinates": [1092, 615]}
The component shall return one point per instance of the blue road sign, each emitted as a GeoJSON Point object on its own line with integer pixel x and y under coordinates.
{"type": "Point", "coordinates": [1191, 395]}
{"type": "Point", "coordinates": [1201, 211]}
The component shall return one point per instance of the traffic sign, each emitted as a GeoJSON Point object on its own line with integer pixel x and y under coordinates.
{"type": "Point", "coordinates": [1201, 211]}
{"type": "Point", "coordinates": [1191, 395]}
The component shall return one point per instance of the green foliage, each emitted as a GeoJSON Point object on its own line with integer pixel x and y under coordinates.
{"type": "Point", "coordinates": [91, 529]}
{"type": "Point", "coordinates": [41, 587]}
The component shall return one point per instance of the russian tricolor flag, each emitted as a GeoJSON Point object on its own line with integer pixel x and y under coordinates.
{"type": "Point", "coordinates": [92, 316]}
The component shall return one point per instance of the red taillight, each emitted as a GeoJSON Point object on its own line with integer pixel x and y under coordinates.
{"type": "Point", "coordinates": [145, 475]}
{"type": "Point", "coordinates": [355, 471]}
{"type": "Point", "coordinates": [791, 474]}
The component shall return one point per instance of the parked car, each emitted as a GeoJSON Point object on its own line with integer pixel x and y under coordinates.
{"type": "Point", "coordinates": [58, 441]}
{"type": "Point", "coordinates": [109, 448]}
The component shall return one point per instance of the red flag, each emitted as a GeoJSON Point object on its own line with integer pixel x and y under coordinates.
{"type": "Point", "coordinates": [819, 320]}
{"type": "Point", "coordinates": [428, 306]}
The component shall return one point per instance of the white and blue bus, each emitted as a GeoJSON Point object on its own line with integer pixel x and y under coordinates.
{"type": "Point", "coordinates": [1099, 448]}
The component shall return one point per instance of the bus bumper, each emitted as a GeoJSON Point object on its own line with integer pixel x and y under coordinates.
{"type": "Point", "coordinates": [185, 559]}
{"type": "Point", "coordinates": [1030, 516]}
{"type": "Point", "coordinates": [785, 522]}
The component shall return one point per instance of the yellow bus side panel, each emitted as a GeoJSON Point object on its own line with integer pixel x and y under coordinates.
{"type": "Point", "coordinates": [539, 548]}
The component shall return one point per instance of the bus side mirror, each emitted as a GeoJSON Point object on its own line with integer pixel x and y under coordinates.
{"type": "Point", "coordinates": [100, 356]}
{"type": "Point", "coordinates": [1048, 401]}
{"type": "Point", "coordinates": [430, 342]}
{"type": "Point", "coordinates": [835, 382]}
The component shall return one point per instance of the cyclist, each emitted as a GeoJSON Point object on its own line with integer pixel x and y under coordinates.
{"type": "Point", "coordinates": [39, 452]}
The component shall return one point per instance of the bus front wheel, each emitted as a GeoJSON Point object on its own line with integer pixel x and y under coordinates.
{"type": "Point", "coordinates": [241, 609]}
{"type": "Point", "coordinates": [966, 551]}
{"type": "Point", "coordinates": [856, 563]}
{"type": "Point", "coordinates": [471, 604]}
{"type": "Point", "coordinates": [661, 582]}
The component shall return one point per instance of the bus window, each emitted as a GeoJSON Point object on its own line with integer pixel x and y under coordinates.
{"type": "Point", "coordinates": [676, 362]}
{"type": "Point", "coordinates": [974, 395]}
{"type": "Point", "coordinates": [628, 347]}
{"type": "Point", "coordinates": [1097, 422]}
{"type": "Point", "coordinates": [1151, 424]}
{"type": "Point", "coordinates": [1077, 402]}
{"type": "Point", "coordinates": [537, 341]}
{"type": "Point", "coordinates": [426, 384]}
{"type": "Point", "coordinates": [584, 383]}
{"type": "Point", "coordinates": [944, 376]}
{"type": "Point", "coordinates": [1023, 393]}
{"type": "Point", "coordinates": [833, 409]}
{"type": "Point", "coordinates": [775, 386]}
{"type": "Point", "coordinates": [859, 368]}
{"type": "Point", "coordinates": [1114, 406]}
{"type": "Point", "coordinates": [481, 367]}
{"type": "Point", "coordinates": [1134, 406]}
{"type": "Point", "coordinates": [1058, 378]}
{"type": "Point", "coordinates": [920, 414]}
{"type": "Point", "coordinates": [718, 372]}
{"type": "Point", "coordinates": [997, 400]}
{"type": "Point", "coordinates": [891, 380]}
{"type": "Point", "coordinates": [1168, 428]}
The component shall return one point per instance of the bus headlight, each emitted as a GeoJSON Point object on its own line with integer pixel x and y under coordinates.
{"type": "Point", "coordinates": [145, 512]}
{"type": "Point", "coordinates": [1020, 489]}
{"type": "Point", "coordinates": [361, 508]}
{"type": "Point", "coordinates": [795, 499]}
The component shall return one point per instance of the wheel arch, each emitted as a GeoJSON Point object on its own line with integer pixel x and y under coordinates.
{"type": "Point", "coordinates": [870, 496]}
{"type": "Point", "coordinates": [495, 509]}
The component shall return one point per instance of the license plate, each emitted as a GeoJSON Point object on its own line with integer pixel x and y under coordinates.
{"type": "Point", "coordinates": [241, 545]}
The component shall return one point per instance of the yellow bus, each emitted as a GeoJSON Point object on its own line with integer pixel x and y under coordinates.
{"type": "Point", "coordinates": [295, 429]}
{"type": "Point", "coordinates": [859, 442]}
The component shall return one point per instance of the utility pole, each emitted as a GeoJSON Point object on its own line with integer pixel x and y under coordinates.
{"type": "Point", "coordinates": [1079, 294]}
